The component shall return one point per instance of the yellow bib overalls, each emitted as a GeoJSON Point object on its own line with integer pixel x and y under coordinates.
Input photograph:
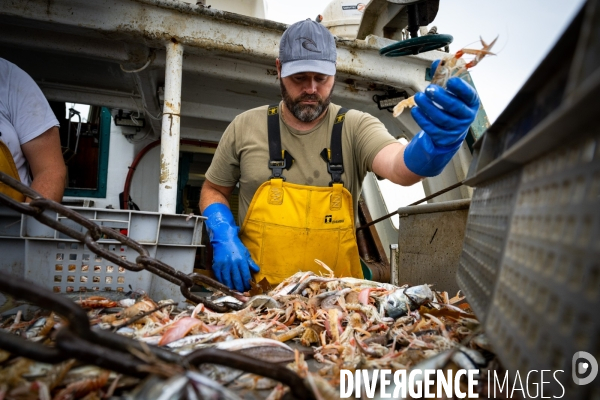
{"type": "Point", "coordinates": [288, 225]}
{"type": "Point", "coordinates": [7, 165]}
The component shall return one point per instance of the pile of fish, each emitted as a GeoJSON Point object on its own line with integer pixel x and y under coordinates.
{"type": "Point", "coordinates": [315, 325]}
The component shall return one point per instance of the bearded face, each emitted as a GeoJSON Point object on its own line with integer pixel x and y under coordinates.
{"type": "Point", "coordinates": [305, 112]}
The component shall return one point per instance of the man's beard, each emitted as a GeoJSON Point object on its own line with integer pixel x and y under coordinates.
{"type": "Point", "coordinates": [305, 112]}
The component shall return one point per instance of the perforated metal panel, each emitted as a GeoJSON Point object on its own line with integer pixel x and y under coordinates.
{"type": "Point", "coordinates": [548, 293]}
{"type": "Point", "coordinates": [487, 228]}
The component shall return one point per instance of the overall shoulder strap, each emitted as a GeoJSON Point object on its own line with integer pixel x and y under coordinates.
{"type": "Point", "coordinates": [278, 159]}
{"type": "Point", "coordinates": [333, 155]}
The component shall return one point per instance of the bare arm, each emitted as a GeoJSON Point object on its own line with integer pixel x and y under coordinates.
{"type": "Point", "coordinates": [47, 164]}
{"type": "Point", "coordinates": [213, 193]}
{"type": "Point", "coordinates": [389, 164]}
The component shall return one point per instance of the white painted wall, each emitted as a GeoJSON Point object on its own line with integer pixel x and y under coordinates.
{"type": "Point", "coordinates": [144, 186]}
{"type": "Point", "coordinates": [120, 156]}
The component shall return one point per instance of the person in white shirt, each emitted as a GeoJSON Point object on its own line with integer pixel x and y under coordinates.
{"type": "Point", "coordinates": [30, 148]}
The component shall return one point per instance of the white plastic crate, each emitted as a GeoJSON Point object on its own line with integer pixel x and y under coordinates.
{"type": "Point", "coordinates": [51, 259]}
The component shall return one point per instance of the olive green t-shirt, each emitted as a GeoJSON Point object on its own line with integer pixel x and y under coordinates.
{"type": "Point", "coordinates": [243, 152]}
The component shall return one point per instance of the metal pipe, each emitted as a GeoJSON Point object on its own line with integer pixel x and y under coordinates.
{"type": "Point", "coordinates": [453, 205]}
{"type": "Point", "coordinates": [431, 196]}
{"type": "Point", "coordinates": [170, 132]}
{"type": "Point", "coordinates": [395, 272]}
{"type": "Point", "coordinates": [413, 20]}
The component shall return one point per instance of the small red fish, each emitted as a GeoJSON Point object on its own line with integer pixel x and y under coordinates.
{"type": "Point", "coordinates": [363, 296]}
{"type": "Point", "coordinates": [178, 330]}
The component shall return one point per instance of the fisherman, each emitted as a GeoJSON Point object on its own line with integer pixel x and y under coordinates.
{"type": "Point", "coordinates": [300, 166]}
{"type": "Point", "coordinates": [29, 137]}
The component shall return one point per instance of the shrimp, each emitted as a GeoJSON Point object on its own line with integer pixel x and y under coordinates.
{"type": "Point", "coordinates": [96, 302]}
{"type": "Point", "coordinates": [81, 388]}
{"type": "Point", "coordinates": [450, 66]}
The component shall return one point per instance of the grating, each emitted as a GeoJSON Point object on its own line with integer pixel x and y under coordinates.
{"type": "Point", "coordinates": [547, 298]}
{"type": "Point", "coordinates": [487, 227]}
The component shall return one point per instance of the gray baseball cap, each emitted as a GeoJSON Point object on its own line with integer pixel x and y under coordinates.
{"type": "Point", "coordinates": [307, 46]}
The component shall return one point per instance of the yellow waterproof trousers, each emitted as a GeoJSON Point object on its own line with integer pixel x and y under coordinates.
{"type": "Point", "coordinates": [7, 165]}
{"type": "Point", "coordinates": [288, 226]}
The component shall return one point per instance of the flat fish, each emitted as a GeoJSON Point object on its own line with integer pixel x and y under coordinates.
{"type": "Point", "coordinates": [227, 299]}
{"type": "Point", "coordinates": [262, 300]}
{"type": "Point", "coordinates": [269, 354]}
{"type": "Point", "coordinates": [194, 339]}
{"type": "Point", "coordinates": [241, 344]}
{"type": "Point", "coordinates": [268, 350]}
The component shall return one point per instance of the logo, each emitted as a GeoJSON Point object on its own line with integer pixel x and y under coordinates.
{"type": "Point", "coordinates": [417, 383]}
{"type": "Point", "coordinates": [584, 368]}
{"type": "Point", "coordinates": [359, 7]}
{"type": "Point", "coordinates": [462, 383]}
{"type": "Point", "coordinates": [273, 110]}
{"type": "Point", "coordinates": [329, 220]}
{"type": "Point", "coordinates": [339, 118]}
{"type": "Point", "coordinates": [309, 44]}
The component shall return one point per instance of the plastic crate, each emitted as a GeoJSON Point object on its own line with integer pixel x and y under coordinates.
{"type": "Point", "coordinates": [529, 265]}
{"type": "Point", "coordinates": [46, 257]}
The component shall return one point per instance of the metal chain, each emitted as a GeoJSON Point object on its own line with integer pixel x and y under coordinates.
{"type": "Point", "coordinates": [94, 232]}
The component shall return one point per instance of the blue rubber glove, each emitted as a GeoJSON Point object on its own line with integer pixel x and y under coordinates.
{"type": "Point", "coordinates": [232, 262]}
{"type": "Point", "coordinates": [445, 116]}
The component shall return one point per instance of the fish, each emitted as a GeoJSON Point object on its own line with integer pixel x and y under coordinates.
{"type": "Point", "coordinates": [196, 339]}
{"type": "Point", "coordinates": [399, 302]}
{"type": "Point", "coordinates": [227, 299]}
{"type": "Point", "coordinates": [126, 302]}
{"type": "Point", "coordinates": [268, 350]}
{"type": "Point", "coordinates": [262, 300]}
{"type": "Point", "coordinates": [151, 340]}
{"type": "Point", "coordinates": [208, 388]}
{"type": "Point", "coordinates": [190, 385]}
{"type": "Point", "coordinates": [349, 323]}
{"type": "Point", "coordinates": [242, 344]}
{"type": "Point", "coordinates": [126, 331]}
{"type": "Point", "coordinates": [179, 329]}
{"type": "Point", "coordinates": [35, 329]}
